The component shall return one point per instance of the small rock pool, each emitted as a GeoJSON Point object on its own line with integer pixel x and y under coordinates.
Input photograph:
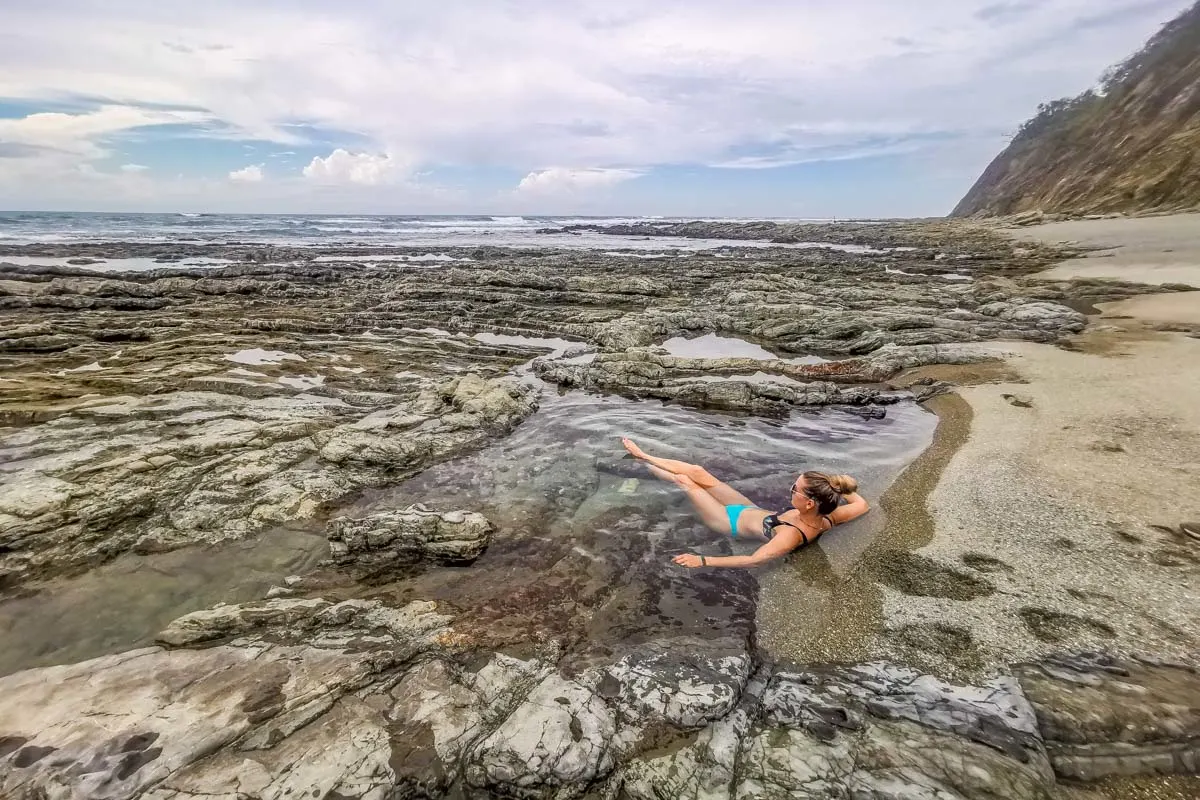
{"type": "Point", "coordinates": [123, 604]}
{"type": "Point", "coordinates": [586, 535]}
{"type": "Point", "coordinates": [712, 345]}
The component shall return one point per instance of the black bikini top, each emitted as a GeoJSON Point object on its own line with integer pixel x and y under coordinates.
{"type": "Point", "coordinates": [773, 521]}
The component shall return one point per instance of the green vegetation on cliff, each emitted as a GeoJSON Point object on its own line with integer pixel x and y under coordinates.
{"type": "Point", "coordinates": [1131, 145]}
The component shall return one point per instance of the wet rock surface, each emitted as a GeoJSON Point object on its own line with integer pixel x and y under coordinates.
{"type": "Point", "coordinates": [775, 386]}
{"type": "Point", "coordinates": [458, 649]}
{"type": "Point", "coordinates": [413, 534]}
{"type": "Point", "coordinates": [1103, 716]}
{"type": "Point", "coordinates": [359, 699]}
{"type": "Point", "coordinates": [222, 400]}
{"type": "Point", "coordinates": [111, 474]}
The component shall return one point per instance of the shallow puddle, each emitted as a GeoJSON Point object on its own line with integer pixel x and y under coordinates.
{"type": "Point", "coordinates": [434, 257]}
{"type": "Point", "coordinates": [557, 346]}
{"type": "Point", "coordinates": [713, 346]}
{"type": "Point", "coordinates": [123, 604]}
{"type": "Point", "coordinates": [133, 264]}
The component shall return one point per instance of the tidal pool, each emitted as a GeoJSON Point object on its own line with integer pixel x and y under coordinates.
{"type": "Point", "coordinates": [131, 264]}
{"type": "Point", "coordinates": [585, 535]}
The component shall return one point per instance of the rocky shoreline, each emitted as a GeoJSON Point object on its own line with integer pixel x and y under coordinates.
{"type": "Point", "coordinates": [358, 699]}
{"type": "Point", "coordinates": [147, 411]}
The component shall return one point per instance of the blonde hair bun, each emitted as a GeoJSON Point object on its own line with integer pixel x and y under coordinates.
{"type": "Point", "coordinates": [843, 484]}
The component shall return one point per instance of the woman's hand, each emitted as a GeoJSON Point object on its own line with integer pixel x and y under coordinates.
{"type": "Point", "coordinates": [689, 560]}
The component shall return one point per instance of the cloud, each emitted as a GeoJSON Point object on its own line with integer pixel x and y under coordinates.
{"type": "Point", "coordinates": [1005, 11]}
{"type": "Point", "coordinates": [250, 174]}
{"type": "Point", "coordinates": [21, 150]}
{"type": "Point", "coordinates": [342, 166]}
{"type": "Point", "coordinates": [372, 91]}
{"type": "Point", "coordinates": [42, 150]}
{"type": "Point", "coordinates": [558, 179]}
{"type": "Point", "coordinates": [85, 134]}
{"type": "Point", "coordinates": [134, 168]}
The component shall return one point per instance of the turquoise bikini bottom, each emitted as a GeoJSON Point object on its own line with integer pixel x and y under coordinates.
{"type": "Point", "coordinates": [733, 512]}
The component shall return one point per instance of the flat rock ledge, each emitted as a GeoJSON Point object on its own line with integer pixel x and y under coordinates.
{"type": "Point", "coordinates": [758, 386]}
{"type": "Point", "coordinates": [156, 472]}
{"type": "Point", "coordinates": [407, 536]}
{"type": "Point", "coordinates": [311, 698]}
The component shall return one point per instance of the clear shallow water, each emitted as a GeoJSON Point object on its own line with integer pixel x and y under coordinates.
{"type": "Point", "coordinates": [125, 603]}
{"type": "Point", "coordinates": [18, 228]}
{"type": "Point", "coordinates": [582, 528]}
{"type": "Point", "coordinates": [711, 345]}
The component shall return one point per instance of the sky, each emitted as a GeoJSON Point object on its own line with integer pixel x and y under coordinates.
{"type": "Point", "coordinates": [786, 108]}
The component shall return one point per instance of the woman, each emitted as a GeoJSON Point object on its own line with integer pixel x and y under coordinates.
{"type": "Point", "coordinates": [819, 502]}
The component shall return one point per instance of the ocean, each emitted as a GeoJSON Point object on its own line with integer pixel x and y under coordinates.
{"type": "Point", "coordinates": [300, 230]}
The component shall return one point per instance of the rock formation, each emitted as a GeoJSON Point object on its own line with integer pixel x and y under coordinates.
{"type": "Point", "coordinates": [774, 386]}
{"type": "Point", "coordinates": [156, 409]}
{"type": "Point", "coordinates": [1129, 146]}
{"type": "Point", "coordinates": [435, 655]}
{"type": "Point", "coordinates": [413, 534]}
{"type": "Point", "coordinates": [310, 698]}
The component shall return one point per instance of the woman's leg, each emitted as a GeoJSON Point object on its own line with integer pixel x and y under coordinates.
{"type": "Point", "coordinates": [723, 493]}
{"type": "Point", "coordinates": [711, 511]}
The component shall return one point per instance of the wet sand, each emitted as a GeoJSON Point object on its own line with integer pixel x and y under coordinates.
{"type": "Point", "coordinates": [1065, 501]}
{"type": "Point", "coordinates": [1179, 308]}
{"type": "Point", "coordinates": [1153, 250]}
{"type": "Point", "coordinates": [841, 607]}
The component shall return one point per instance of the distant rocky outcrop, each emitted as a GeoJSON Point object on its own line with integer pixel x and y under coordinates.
{"type": "Point", "coordinates": [1132, 145]}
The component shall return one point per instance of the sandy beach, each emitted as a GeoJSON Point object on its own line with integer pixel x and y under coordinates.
{"type": "Point", "coordinates": [1058, 523]}
{"type": "Point", "coordinates": [1155, 250]}
{"type": "Point", "coordinates": [1066, 501]}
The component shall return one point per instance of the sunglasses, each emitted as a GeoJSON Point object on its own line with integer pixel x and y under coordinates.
{"type": "Point", "coordinates": [797, 490]}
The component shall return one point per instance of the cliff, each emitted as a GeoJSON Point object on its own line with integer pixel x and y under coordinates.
{"type": "Point", "coordinates": [1132, 145]}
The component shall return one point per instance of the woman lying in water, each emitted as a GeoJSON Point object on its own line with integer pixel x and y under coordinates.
{"type": "Point", "coordinates": [819, 502]}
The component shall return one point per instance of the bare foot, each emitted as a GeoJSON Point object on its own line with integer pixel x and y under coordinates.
{"type": "Point", "coordinates": [633, 449]}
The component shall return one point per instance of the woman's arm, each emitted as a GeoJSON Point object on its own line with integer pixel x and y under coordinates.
{"type": "Point", "coordinates": [785, 541]}
{"type": "Point", "coordinates": [856, 505]}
